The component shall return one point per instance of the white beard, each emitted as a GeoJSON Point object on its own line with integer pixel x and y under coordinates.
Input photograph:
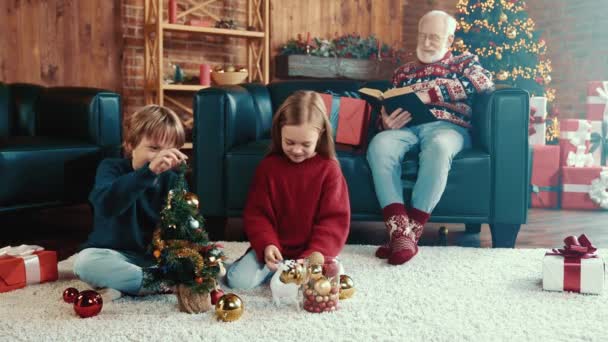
{"type": "Point", "coordinates": [426, 58]}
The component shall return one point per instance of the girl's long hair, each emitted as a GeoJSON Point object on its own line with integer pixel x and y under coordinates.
{"type": "Point", "coordinates": [304, 107]}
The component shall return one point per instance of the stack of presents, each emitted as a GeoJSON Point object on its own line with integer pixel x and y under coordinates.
{"type": "Point", "coordinates": [572, 174]}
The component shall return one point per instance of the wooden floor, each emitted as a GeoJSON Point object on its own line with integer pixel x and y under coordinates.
{"type": "Point", "coordinates": [63, 229]}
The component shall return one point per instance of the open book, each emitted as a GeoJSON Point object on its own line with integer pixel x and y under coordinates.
{"type": "Point", "coordinates": [404, 98]}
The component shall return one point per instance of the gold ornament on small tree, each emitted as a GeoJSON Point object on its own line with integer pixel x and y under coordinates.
{"type": "Point", "coordinates": [191, 199]}
{"type": "Point", "coordinates": [503, 18]}
{"type": "Point", "coordinates": [498, 55]}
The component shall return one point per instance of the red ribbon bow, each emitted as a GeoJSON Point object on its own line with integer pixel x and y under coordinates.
{"type": "Point", "coordinates": [534, 120]}
{"type": "Point", "coordinates": [580, 247]}
{"type": "Point", "coordinates": [574, 250]}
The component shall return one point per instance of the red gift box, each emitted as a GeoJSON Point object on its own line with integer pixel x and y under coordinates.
{"type": "Point", "coordinates": [597, 98]}
{"type": "Point", "coordinates": [573, 133]}
{"type": "Point", "coordinates": [349, 118]}
{"type": "Point", "coordinates": [18, 271]}
{"type": "Point", "coordinates": [545, 176]}
{"type": "Point", "coordinates": [584, 188]}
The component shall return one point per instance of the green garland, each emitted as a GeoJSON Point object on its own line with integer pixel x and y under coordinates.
{"type": "Point", "coordinates": [346, 46]}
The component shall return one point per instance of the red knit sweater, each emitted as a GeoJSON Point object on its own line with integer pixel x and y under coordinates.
{"type": "Point", "coordinates": [298, 207]}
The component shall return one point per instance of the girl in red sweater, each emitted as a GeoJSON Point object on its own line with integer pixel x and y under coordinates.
{"type": "Point", "coordinates": [298, 201]}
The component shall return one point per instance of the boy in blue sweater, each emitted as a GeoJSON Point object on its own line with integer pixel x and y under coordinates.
{"type": "Point", "coordinates": [127, 198]}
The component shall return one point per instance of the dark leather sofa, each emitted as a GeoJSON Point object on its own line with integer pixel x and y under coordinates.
{"type": "Point", "coordinates": [51, 141]}
{"type": "Point", "coordinates": [488, 183]}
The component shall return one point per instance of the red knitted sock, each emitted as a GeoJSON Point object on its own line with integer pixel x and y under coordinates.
{"type": "Point", "coordinates": [392, 213]}
{"type": "Point", "coordinates": [404, 244]}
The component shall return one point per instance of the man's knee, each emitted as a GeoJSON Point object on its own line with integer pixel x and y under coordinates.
{"type": "Point", "coordinates": [382, 146]}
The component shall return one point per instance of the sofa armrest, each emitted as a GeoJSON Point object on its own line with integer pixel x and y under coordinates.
{"type": "Point", "coordinates": [501, 128]}
{"type": "Point", "coordinates": [89, 114]}
{"type": "Point", "coordinates": [224, 117]}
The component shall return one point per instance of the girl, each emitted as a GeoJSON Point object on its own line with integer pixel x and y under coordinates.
{"type": "Point", "coordinates": [298, 201]}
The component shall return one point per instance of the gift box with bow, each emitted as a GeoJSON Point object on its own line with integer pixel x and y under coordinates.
{"type": "Point", "coordinates": [584, 188]}
{"type": "Point", "coordinates": [574, 142]}
{"type": "Point", "coordinates": [538, 114]}
{"type": "Point", "coordinates": [349, 118]}
{"type": "Point", "coordinates": [544, 183]}
{"type": "Point", "coordinates": [597, 113]}
{"type": "Point", "coordinates": [575, 268]}
{"type": "Point", "coordinates": [24, 265]}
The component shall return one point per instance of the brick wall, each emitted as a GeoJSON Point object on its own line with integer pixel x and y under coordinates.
{"type": "Point", "coordinates": [577, 45]}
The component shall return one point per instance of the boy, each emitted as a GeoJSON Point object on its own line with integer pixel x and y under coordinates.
{"type": "Point", "coordinates": [127, 199]}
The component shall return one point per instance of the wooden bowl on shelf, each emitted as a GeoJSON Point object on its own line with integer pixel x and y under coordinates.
{"type": "Point", "coordinates": [229, 77]}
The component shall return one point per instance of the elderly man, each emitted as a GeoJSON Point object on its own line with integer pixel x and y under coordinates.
{"type": "Point", "coordinates": [447, 85]}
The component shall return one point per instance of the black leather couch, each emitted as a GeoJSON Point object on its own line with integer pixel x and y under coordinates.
{"type": "Point", "coordinates": [51, 141]}
{"type": "Point", "coordinates": [488, 183]}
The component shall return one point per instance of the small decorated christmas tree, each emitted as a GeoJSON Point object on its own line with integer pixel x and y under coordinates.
{"type": "Point", "coordinates": [185, 258]}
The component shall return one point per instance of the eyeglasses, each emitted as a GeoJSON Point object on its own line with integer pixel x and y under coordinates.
{"type": "Point", "coordinates": [434, 38]}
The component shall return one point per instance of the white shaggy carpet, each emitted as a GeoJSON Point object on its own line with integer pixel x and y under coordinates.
{"type": "Point", "coordinates": [444, 294]}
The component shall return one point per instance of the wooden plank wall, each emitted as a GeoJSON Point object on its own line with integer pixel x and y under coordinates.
{"type": "Point", "coordinates": [61, 42]}
{"type": "Point", "coordinates": [325, 18]}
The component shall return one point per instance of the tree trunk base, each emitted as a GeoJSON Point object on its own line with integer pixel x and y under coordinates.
{"type": "Point", "coordinates": [192, 302]}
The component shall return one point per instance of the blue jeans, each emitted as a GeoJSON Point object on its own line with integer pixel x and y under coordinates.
{"type": "Point", "coordinates": [438, 143]}
{"type": "Point", "coordinates": [122, 271]}
{"type": "Point", "coordinates": [247, 272]}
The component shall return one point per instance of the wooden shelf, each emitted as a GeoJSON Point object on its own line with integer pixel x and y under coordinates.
{"type": "Point", "coordinates": [184, 87]}
{"type": "Point", "coordinates": [213, 30]}
{"type": "Point", "coordinates": [257, 46]}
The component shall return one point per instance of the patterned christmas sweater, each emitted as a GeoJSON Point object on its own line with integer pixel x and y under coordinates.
{"type": "Point", "coordinates": [451, 83]}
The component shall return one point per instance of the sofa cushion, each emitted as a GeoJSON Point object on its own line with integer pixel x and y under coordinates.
{"type": "Point", "coordinates": [39, 169]}
{"type": "Point", "coordinates": [463, 195]}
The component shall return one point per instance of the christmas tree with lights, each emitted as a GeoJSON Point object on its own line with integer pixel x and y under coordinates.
{"type": "Point", "coordinates": [503, 36]}
{"type": "Point", "coordinates": [185, 258]}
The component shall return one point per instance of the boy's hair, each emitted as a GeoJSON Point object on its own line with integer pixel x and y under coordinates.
{"type": "Point", "coordinates": [304, 107]}
{"type": "Point", "coordinates": [154, 122]}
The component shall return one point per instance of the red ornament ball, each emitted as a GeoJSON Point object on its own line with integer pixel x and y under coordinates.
{"type": "Point", "coordinates": [88, 304]}
{"type": "Point", "coordinates": [70, 294]}
{"type": "Point", "coordinates": [216, 295]}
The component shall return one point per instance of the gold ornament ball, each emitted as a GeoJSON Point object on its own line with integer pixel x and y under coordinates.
{"type": "Point", "coordinates": [316, 258]}
{"type": "Point", "coordinates": [156, 253]}
{"type": "Point", "coordinates": [323, 287]}
{"type": "Point", "coordinates": [294, 275]}
{"type": "Point", "coordinates": [498, 55]}
{"type": "Point", "coordinates": [347, 287]}
{"type": "Point", "coordinates": [511, 33]}
{"type": "Point", "coordinates": [315, 271]}
{"type": "Point", "coordinates": [503, 17]}
{"type": "Point", "coordinates": [547, 79]}
{"type": "Point", "coordinates": [502, 75]}
{"type": "Point", "coordinates": [229, 308]}
{"type": "Point", "coordinates": [191, 199]}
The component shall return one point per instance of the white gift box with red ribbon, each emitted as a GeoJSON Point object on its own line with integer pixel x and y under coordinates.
{"type": "Point", "coordinates": [575, 268]}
